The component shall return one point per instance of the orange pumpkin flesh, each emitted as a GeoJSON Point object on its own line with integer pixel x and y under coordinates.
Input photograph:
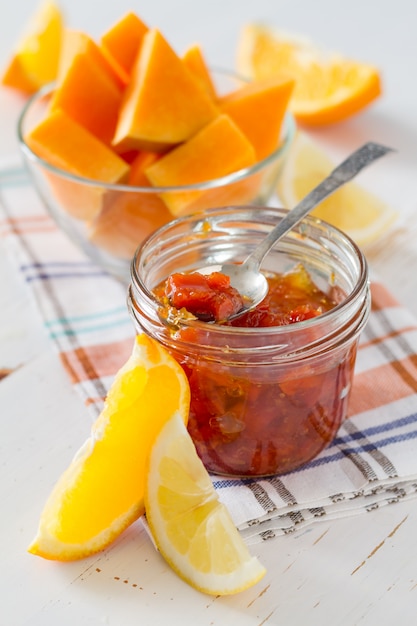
{"type": "Point", "coordinates": [122, 42]}
{"type": "Point", "coordinates": [194, 60]}
{"type": "Point", "coordinates": [163, 104]}
{"type": "Point", "coordinates": [258, 109]}
{"type": "Point", "coordinates": [82, 154]}
{"type": "Point", "coordinates": [220, 148]}
{"type": "Point", "coordinates": [87, 87]}
{"type": "Point", "coordinates": [127, 218]}
{"type": "Point", "coordinates": [138, 166]}
{"type": "Point", "coordinates": [130, 110]}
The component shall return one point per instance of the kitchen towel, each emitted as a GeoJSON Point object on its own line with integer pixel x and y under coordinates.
{"type": "Point", "coordinates": [371, 463]}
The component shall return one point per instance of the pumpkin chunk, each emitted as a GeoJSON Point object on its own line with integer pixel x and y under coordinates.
{"type": "Point", "coordinates": [64, 143]}
{"type": "Point", "coordinates": [122, 42]}
{"type": "Point", "coordinates": [218, 149]}
{"type": "Point", "coordinates": [88, 90]}
{"type": "Point", "coordinates": [142, 160]}
{"type": "Point", "coordinates": [128, 217]}
{"type": "Point", "coordinates": [163, 104]}
{"type": "Point", "coordinates": [258, 109]}
{"type": "Point", "coordinates": [194, 59]}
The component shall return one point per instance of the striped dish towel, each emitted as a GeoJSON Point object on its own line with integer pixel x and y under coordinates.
{"type": "Point", "coordinates": [371, 463]}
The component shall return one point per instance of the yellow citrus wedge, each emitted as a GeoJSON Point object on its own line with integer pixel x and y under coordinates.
{"type": "Point", "coordinates": [329, 87]}
{"type": "Point", "coordinates": [353, 209]}
{"type": "Point", "coordinates": [102, 490]}
{"type": "Point", "coordinates": [190, 526]}
{"type": "Point", "coordinates": [34, 63]}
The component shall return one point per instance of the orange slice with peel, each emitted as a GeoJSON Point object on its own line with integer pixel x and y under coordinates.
{"type": "Point", "coordinates": [190, 526]}
{"type": "Point", "coordinates": [102, 490]}
{"type": "Point", "coordinates": [329, 87]}
{"type": "Point", "coordinates": [34, 63]}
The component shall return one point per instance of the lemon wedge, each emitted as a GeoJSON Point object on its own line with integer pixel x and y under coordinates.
{"type": "Point", "coordinates": [352, 208]}
{"type": "Point", "coordinates": [190, 526]}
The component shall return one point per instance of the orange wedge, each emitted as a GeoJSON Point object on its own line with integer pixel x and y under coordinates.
{"type": "Point", "coordinates": [34, 63]}
{"type": "Point", "coordinates": [191, 527]}
{"type": "Point", "coordinates": [102, 490]}
{"type": "Point", "coordinates": [329, 88]}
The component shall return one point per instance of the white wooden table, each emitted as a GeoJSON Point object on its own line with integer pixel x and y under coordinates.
{"type": "Point", "coordinates": [360, 570]}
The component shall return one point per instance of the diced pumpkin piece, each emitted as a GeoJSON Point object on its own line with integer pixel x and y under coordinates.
{"type": "Point", "coordinates": [128, 217]}
{"type": "Point", "coordinates": [218, 149]}
{"type": "Point", "coordinates": [163, 104]}
{"type": "Point", "coordinates": [258, 108]}
{"type": "Point", "coordinates": [245, 191]}
{"type": "Point", "coordinates": [87, 87]}
{"type": "Point", "coordinates": [122, 42]}
{"type": "Point", "coordinates": [67, 145]}
{"type": "Point", "coordinates": [139, 164]}
{"type": "Point", "coordinates": [35, 60]}
{"type": "Point", "coordinates": [129, 156]}
{"type": "Point", "coordinates": [77, 43]}
{"type": "Point", "coordinates": [64, 143]}
{"type": "Point", "coordinates": [194, 59]}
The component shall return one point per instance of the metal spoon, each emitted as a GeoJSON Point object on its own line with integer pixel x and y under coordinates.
{"type": "Point", "coordinates": [246, 277]}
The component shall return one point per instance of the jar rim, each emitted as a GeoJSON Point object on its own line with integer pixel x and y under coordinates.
{"type": "Point", "coordinates": [351, 298]}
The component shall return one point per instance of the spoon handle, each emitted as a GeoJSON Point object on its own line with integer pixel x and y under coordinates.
{"type": "Point", "coordinates": [344, 172]}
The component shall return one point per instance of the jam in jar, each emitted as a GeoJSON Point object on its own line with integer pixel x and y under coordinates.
{"type": "Point", "coordinates": [270, 388]}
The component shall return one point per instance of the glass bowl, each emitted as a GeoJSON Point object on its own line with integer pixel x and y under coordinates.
{"type": "Point", "coordinates": [124, 215]}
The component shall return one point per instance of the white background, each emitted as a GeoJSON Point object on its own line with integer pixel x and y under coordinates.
{"type": "Point", "coordinates": [354, 571]}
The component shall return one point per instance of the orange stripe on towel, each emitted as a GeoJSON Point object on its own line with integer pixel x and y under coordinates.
{"type": "Point", "coordinates": [27, 225]}
{"type": "Point", "coordinates": [382, 385]}
{"type": "Point", "coordinates": [392, 335]}
{"type": "Point", "coordinates": [381, 297]}
{"type": "Point", "coordinates": [96, 361]}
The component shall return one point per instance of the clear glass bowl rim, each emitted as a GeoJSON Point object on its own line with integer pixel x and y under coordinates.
{"type": "Point", "coordinates": [287, 133]}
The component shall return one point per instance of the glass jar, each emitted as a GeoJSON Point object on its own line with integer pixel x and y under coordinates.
{"type": "Point", "coordinates": [264, 401]}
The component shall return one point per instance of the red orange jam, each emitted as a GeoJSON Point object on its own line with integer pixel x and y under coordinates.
{"type": "Point", "coordinates": [292, 297]}
{"type": "Point", "coordinates": [210, 298]}
{"type": "Point", "coordinates": [253, 421]}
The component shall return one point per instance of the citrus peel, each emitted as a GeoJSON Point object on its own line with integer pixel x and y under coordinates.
{"type": "Point", "coordinates": [34, 62]}
{"type": "Point", "coordinates": [102, 490]}
{"type": "Point", "coordinates": [190, 526]}
{"type": "Point", "coordinates": [329, 87]}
